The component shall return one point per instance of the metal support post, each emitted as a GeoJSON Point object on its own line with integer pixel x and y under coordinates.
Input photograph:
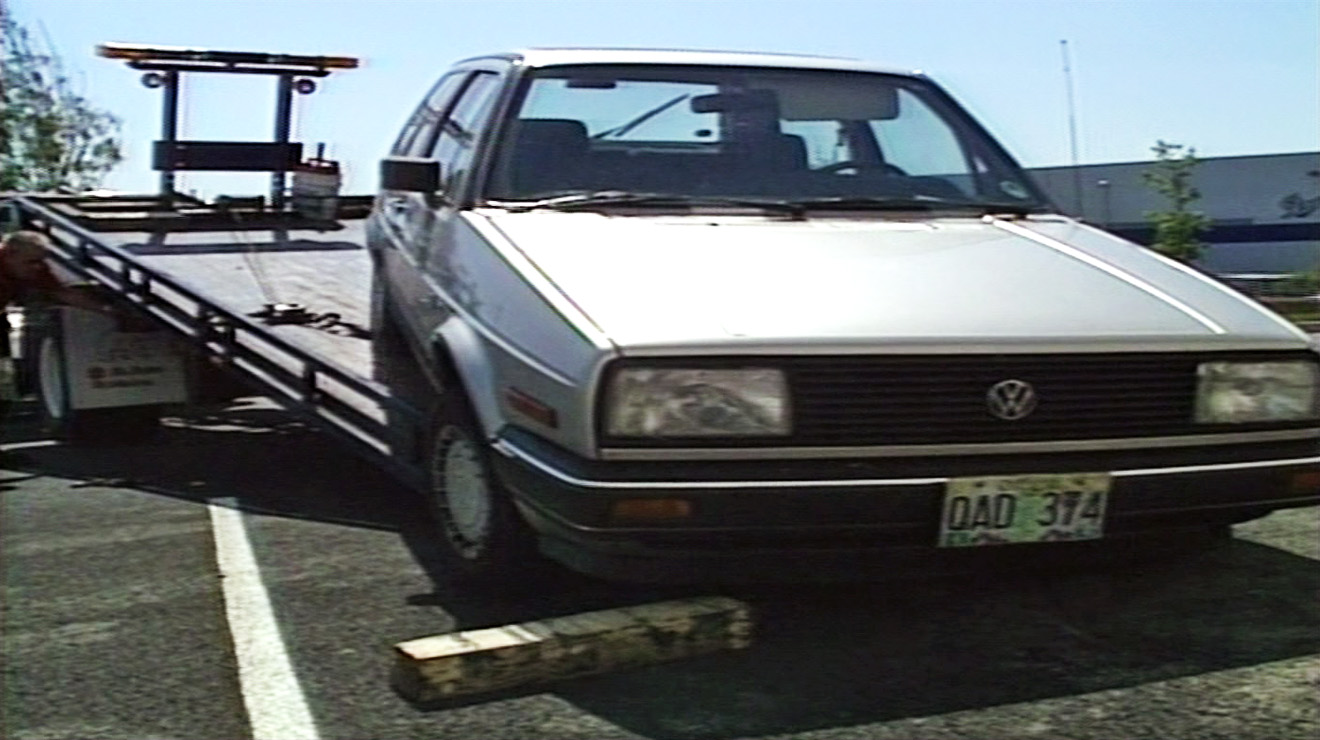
{"type": "Point", "coordinates": [169, 131]}
{"type": "Point", "coordinates": [283, 114]}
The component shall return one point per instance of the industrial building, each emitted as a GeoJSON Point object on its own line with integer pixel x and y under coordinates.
{"type": "Point", "coordinates": [1264, 209]}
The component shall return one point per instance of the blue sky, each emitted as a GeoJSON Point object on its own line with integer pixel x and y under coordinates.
{"type": "Point", "coordinates": [1229, 77]}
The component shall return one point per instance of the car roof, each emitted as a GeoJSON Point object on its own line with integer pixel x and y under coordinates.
{"type": "Point", "coordinates": [554, 57]}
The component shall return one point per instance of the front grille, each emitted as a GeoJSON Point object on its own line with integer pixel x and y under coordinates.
{"type": "Point", "coordinates": [941, 399]}
{"type": "Point", "coordinates": [930, 400]}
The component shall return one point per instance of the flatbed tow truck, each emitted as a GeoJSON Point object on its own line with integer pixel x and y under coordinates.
{"type": "Point", "coordinates": [269, 292]}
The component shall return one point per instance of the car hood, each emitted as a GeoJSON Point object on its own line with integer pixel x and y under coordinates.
{"type": "Point", "coordinates": [666, 283]}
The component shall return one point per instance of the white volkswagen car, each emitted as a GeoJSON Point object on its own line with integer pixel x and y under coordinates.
{"type": "Point", "coordinates": [716, 315]}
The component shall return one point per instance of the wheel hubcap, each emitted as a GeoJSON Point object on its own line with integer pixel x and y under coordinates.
{"type": "Point", "coordinates": [51, 370]}
{"type": "Point", "coordinates": [464, 495]}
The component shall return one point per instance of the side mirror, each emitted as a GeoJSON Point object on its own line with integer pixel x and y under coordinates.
{"type": "Point", "coordinates": [410, 174]}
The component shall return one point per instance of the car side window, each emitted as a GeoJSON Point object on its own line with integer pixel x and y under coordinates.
{"type": "Point", "coordinates": [417, 121]}
{"type": "Point", "coordinates": [408, 133]}
{"type": "Point", "coordinates": [430, 114]}
{"type": "Point", "coordinates": [455, 144]}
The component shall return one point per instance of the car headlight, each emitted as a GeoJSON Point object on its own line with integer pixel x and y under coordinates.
{"type": "Point", "coordinates": [1237, 392]}
{"type": "Point", "coordinates": [654, 402]}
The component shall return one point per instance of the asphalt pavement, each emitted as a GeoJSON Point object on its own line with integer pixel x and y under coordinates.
{"type": "Point", "coordinates": [125, 615]}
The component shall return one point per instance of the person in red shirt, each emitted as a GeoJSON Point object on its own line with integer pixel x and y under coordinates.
{"type": "Point", "coordinates": [24, 274]}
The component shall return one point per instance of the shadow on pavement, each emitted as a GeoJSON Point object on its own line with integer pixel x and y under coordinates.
{"type": "Point", "coordinates": [857, 655]}
{"type": "Point", "coordinates": [271, 464]}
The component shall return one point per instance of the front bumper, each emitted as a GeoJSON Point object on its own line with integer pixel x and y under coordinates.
{"type": "Point", "coordinates": [815, 519]}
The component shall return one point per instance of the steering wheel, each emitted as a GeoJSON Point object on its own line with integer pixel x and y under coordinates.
{"type": "Point", "coordinates": [852, 164]}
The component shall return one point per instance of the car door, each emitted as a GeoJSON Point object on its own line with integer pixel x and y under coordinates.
{"type": "Point", "coordinates": [438, 280]}
{"type": "Point", "coordinates": [402, 214]}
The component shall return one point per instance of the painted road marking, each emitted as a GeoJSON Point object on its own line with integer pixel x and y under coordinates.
{"type": "Point", "coordinates": [276, 707]}
{"type": "Point", "coordinates": [35, 444]}
{"type": "Point", "coordinates": [430, 669]}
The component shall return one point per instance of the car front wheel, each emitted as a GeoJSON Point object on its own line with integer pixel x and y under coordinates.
{"type": "Point", "coordinates": [484, 541]}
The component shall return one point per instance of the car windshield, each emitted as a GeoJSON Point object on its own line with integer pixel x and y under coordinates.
{"type": "Point", "coordinates": [804, 136]}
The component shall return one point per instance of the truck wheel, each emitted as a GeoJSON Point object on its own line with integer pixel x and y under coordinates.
{"type": "Point", "coordinates": [484, 542]}
{"type": "Point", "coordinates": [35, 324]}
{"type": "Point", "coordinates": [91, 426]}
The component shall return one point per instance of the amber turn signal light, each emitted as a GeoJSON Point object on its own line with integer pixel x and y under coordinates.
{"type": "Point", "coordinates": [530, 407]}
{"type": "Point", "coordinates": [650, 509]}
{"type": "Point", "coordinates": [1307, 482]}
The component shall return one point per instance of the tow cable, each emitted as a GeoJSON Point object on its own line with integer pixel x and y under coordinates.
{"type": "Point", "coordinates": [275, 314]}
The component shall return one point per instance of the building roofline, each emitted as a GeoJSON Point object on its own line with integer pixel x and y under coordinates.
{"type": "Point", "coordinates": [1199, 158]}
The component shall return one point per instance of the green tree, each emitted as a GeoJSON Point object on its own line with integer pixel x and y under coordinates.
{"type": "Point", "coordinates": [1178, 229]}
{"type": "Point", "coordinates": [50, 137]}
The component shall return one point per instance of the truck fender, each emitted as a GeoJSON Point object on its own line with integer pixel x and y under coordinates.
{"type": "Point", "coordinates": [462, 359]}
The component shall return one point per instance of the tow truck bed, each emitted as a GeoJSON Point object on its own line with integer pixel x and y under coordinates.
{"type": "Point", "coordinates": [324, 271]}
{"type": "Point", "coordinates": [209, 284]}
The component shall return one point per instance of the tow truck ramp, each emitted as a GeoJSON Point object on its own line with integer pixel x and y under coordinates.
{"type": "Point", "coordinates": [223, 295]}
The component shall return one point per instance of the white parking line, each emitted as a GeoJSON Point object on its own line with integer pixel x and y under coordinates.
{"type": "Point", "coordinates": [35, 444]}
{"type": "Point", "coordinates": [276, 707]}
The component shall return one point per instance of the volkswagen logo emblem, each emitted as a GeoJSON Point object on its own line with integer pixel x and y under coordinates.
{"type": "Point", "coordinates": [1011, 400]}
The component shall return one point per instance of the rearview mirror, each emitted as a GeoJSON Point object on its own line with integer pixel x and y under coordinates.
{"type": "Point", "coordinates": [826, 100]}
{"type": "Point", "coordinates": [731, 102]}
{"type": "Point", "coordinates": [410, 174]}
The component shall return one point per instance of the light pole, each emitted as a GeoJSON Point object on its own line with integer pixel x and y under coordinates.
{"type": "Point", "coordinates": [1079, 210]}
{"type": "Point", "coordinates": [1104, 186]}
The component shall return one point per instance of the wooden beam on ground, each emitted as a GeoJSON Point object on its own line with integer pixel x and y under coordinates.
{"type": "Point", "coordinates": [430, 669]}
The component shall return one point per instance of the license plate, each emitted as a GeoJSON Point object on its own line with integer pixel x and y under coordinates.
{"type": "Point", "coordinates": [1002, 510]}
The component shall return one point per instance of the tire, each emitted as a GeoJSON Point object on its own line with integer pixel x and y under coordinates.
{"type": "Point", "coordinates": [35, 325]}
{"type": "Point", "coordinates": [115, 426]}
{"type": "Point", "coordinates": [383, 326]}
{"type": "Point", "coordinates": [484, 542]}
{"type": "Point", "coordinates": [393, 361]}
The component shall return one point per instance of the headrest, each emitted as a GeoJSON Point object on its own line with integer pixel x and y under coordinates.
{"type": "Point", "coordinates": [561, 134]}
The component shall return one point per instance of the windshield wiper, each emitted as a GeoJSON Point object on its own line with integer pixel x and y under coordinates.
{"type": "Point", "coordinates": [868, 203]}
{"type": "Point", "coordinates": [990, 208]}
{"type": "Point", "coordinates": [919, 203]}
{"type": "Point", "coordinates": [796, 208]}
{"type": "Point", "coordinates": [572, 201]}
{"type": "Point", "coordinates": [643, 118]}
